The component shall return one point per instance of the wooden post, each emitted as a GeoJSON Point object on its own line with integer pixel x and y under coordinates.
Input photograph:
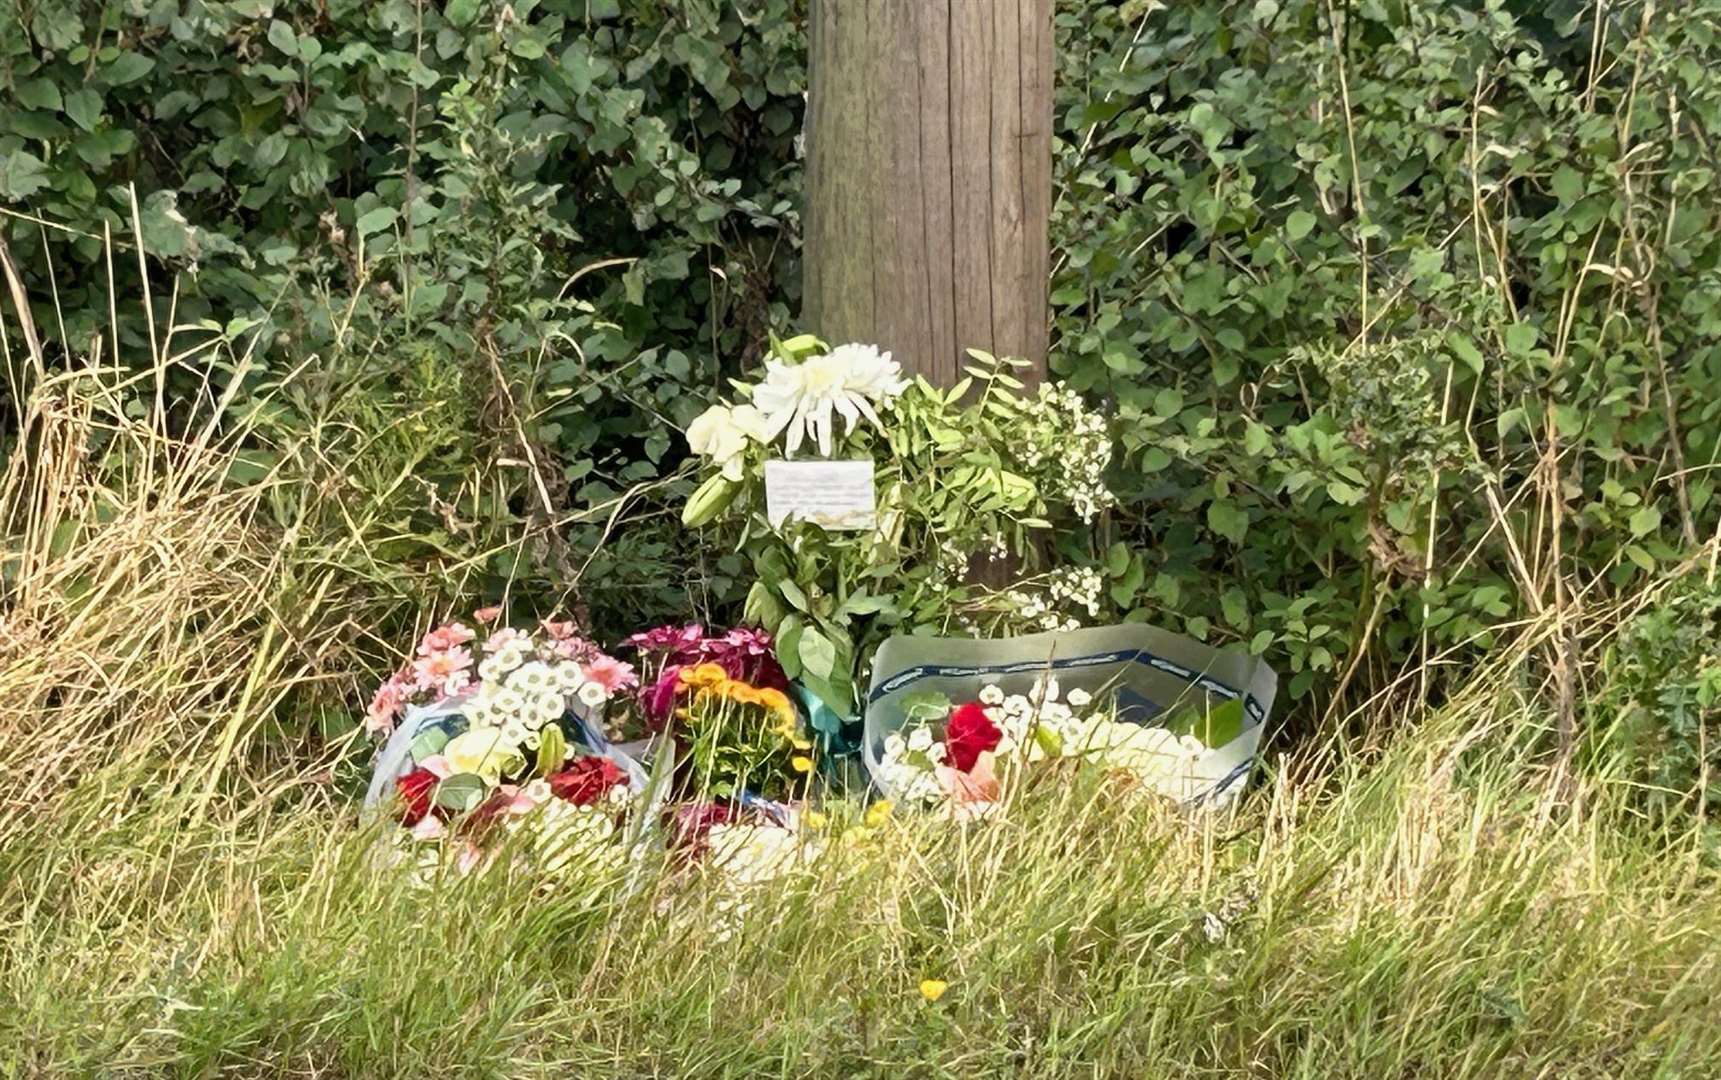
{"type": "Point", "coordinates": [929, 178]}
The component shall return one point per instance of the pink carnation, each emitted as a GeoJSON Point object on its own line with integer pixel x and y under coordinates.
{"type": "Point", "coordinates": [444, 638]}
{"type": "Point", "coordinates": [390, 698]}
{"type": "Point", "coordinates": [505, 637]}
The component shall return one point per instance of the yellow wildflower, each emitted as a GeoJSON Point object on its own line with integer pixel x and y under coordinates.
{"type": "Point", "coordinates": [878, 813]}
{"type": "Point", "coordinates": [930, 989]}
{"type": "Point", "coordinates": [802, 763]}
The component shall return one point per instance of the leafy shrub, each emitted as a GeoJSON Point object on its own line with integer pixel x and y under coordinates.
{"type": "Point", "coordinates": [1660, 701]}
{"type": "Point", "coordinates": [1406, 309]}
{"type": "Point", "coordinates": [1407, 316]}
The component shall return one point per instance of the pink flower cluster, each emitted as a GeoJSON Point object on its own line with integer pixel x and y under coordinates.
{"type": "Point", "coordinates": [444, 665]}
{"type": "Point", "coordinates": [746, 655]}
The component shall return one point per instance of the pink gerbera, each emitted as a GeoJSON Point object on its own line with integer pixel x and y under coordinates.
{"type": "Point", "coordinates": [611, 674]}
{"type": "Point", "coordinates": [447, 671]}
{"type": "Point", "coordinates": [484, 616]}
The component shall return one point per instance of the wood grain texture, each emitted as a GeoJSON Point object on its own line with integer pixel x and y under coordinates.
{"type": "Point", "coordinates": [929, 178]}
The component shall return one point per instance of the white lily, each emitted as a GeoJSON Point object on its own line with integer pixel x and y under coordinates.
{"type": "Point", "coordinates": [722, 433]}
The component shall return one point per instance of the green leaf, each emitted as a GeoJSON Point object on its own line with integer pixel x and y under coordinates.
{"type": "Point", "coordinates": [1256, 441]}
{"type": "Point", "coordinates": [1117, 559]}
{"type": "Point", "coordinates": [763, 608]}
{"type": "Point", "coordinates": [1567, 184]}
{"type": "Point", "coordinates": [22, 174]}
{"type": "Point", "coordinates": [1260, 643]}
{"type": "Point", "coordinates": [376, 220]}
{"type": "Point", "coordinates": [127, 67]}
{"type": "Point", "coordinates": [85, 108]}
{"type": "Point", "coordinates": [1345, 494]}
{"type": "Point", "coordinates": [1645, 521]}
{"type": "Point", "coordinates": [462, 792]}
{"type": "Point", "coordinates": [1228, 520]}
{"type": "Point", "coordinates": [1298, 224]}
{"type": "Point", "coordinates": [1521, 338]}
{"type": "Point", "coordinates": [793, 594]}
{"type": "Point", "coordinates": [282, 37]}
{"type": "Point", "coordinates": [789, 644]}
{"type": "Point", "coordinates": [818, 655]}
{"type": "Point", "coordinates": [1234, 602]}
{"type": "Point", "coordinates": [38, 94]}
{"type": "Point", "coordinates": [1466, 350]}
{"type": "Point", "coordinates": [462, 12]}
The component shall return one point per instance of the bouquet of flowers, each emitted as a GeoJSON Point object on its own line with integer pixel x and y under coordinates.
{"type": "Point", "coordinates": [951, 755]}
{"type": "Point", "coordinates": [504, 752]}
{"type": "Point", "coordinates": [982, 472]}
{"type": "Point", "coordinates": [743, 654]}
{"type": "Point", "coordinates": [724, 699]}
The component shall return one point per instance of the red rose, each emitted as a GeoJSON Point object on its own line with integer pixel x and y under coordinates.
{"type": "Point", "coordinates": [587, 780]}
{"type": "Point", "coordinates": [968, 734]}
{"type": "Point", "coordinates": [416, 789]}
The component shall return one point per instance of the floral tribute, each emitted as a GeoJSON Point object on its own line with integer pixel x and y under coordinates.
{"type": "Point", "coordinates": [986, 498]}
{"type": "Point", "coordinates": [956, 757]}
{"type": "Point", "coordinates": [507, 761]}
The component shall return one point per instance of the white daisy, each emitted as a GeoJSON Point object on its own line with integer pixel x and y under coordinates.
{"type": "Point", "coordinates": [592, 695]}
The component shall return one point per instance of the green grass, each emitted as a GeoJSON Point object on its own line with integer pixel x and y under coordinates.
{"type": "Point", "coordinates": [184, 891]}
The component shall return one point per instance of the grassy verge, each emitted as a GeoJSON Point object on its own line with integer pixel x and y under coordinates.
{"type": "Point", "coordinates": [182, 893]}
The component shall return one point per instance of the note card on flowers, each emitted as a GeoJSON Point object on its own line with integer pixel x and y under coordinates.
{"type": "Point", "coordinates": [835, 495]}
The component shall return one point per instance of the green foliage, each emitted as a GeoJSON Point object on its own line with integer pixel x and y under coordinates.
{"type": "Point", "coordinates": [586, 211]}
{"type": "Point", "coordinates": [1407, 307]}
{"type": "Point", "coordinates": [1660, 702]}
{"type": "Point", "coordinates": [977, 486]}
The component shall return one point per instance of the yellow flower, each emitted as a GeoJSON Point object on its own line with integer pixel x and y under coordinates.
{"type": "Point", "coordinates": [815, 820]}
{"type": "Point", "coordinates": [741, 692]}
{"type": "Point", "coordinates": [703, 677]}
{"type": "Point", "coordinates": [802, 763]}
{"type": "Point", "coordinates": [930, 989]}
{"type": "Point", "coordinates": [485, 752]}
{"type": "Point", "coordinates": [878, 813]}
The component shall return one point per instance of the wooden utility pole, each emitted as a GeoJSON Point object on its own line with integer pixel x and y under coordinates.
{"type": "Point", "coordinates": [929, 178]}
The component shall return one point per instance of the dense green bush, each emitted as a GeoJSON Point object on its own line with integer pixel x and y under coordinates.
{"type": "Point", "coordinates": [585, 211]}
{"type": "Point", "coordinates": [1406, 309]}
{"type": "Point", "coordinates": [1411, 322]}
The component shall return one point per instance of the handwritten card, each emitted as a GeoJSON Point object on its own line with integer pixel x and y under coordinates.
{"type": "Point", "coordinates": [835, 495]}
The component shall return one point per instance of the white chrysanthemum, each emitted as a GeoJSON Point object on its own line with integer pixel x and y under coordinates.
{"type": "Point", "coordinates": [569, 677]}
{"type": "Point", "coordinates": [547, 708]}
{"type": "Point", "coordinates": [593, 694]}
{"type": "Point", "coordinates": [920, 739]}
{"type": "Point", "coordinates": [800, 398]}
{"type": "Point", "coordinates": [1080, 698]}
{"type": "Point", "coordinates": [532, 678]}
{"type": "Point", "coordinates": [991, 694]}
{"type": "Point", "coordinates": [750, 854]}
{"type": "Point", "coordinates": [491, 670]}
